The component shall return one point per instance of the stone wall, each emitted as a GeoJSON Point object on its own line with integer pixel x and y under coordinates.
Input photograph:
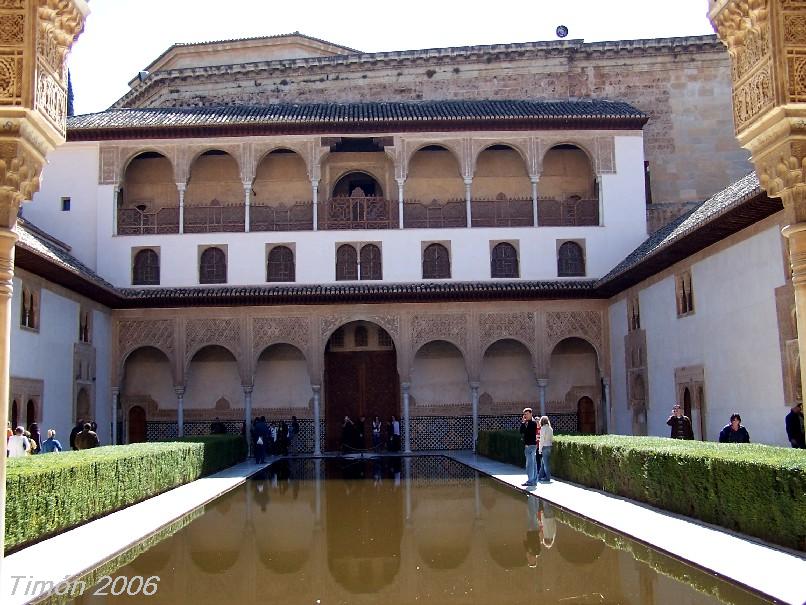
{"type": "Point", "coordinates": [683, 84]}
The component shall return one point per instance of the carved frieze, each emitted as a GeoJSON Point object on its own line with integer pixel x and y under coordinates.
{"type": "Point", "coordinates": [270, 330]}
{"type": "Point", "coordinates": [211, 331]}
{"type": "Point", "coordinates": [448, 326]}
{"type": "Point", "coordinates": [157, 333]}
{"type": "Point", "coordinates": [495, 326]}
{"type": "Point", "coordinates": [581, 324]}
{"type": "Point", "coordinates": [753, 97]}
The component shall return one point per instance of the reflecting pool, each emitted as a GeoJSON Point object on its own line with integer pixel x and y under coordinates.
{"type": "Point", "coordinates": [393, 531]}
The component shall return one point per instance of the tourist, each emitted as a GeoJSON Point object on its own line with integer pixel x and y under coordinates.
{"type": "Point", "coordinates": [18, 444]}
{"type": "Point", "coordinates": [347, 430]}
{"type": "Point", "coordinates": [360, 433]}
{"type": "Point", "coordinates": [293, 435]}
{"type": "Point", "coordinates": [544, 449]}
{"type": "Point", "coordinates": [87, 438]}
{"type": "Point", "coordinates": [528, 430]}
{"type": "Point", "coordinates": [273, 432]}
{"type": "Point", "coordinates": [794, 427]}
{"type": "Point", "coordinates": [376, 433]}
{"type": "Point", "coordinates": [260, 435]}
{"type": "Point", "coordinates": [34, 445]}
{"type": "Point", "coordinates": [734, 432]}
{"type": "Point", "coordinates": [681, 425]}
{"type": "Point", "coordinates": [217, 427]}
{"type": "Point", "coordinates": [36, 438]}
{"type": "Point", "coordinates": [51, 444]}
{"type": "Point", "coordinates": [282, 439]}
{"type": "Point", "coordinates": [75, 431]}
{"type": "Point", "coordinates": [394, 435]}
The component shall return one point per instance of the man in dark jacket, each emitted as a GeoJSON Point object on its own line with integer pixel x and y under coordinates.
{"type": "Point", "coordinates": [76, 430]}
{"type": "Point", "coordinates": [681, 425]}
{"type": "Point", "coordinates": [528, 430]}
{"type": "Point", "coordinates": [87, 439]}
{"type": "Point", "coordinates": [794, 427]}
{"type": "Point", "coordinates": [734, 432]}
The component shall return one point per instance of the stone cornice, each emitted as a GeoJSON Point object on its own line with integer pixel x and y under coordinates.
{"type": "Point", "coordinates": [569, 49]}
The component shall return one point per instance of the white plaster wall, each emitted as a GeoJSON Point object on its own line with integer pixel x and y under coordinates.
{"type": "Point", "coordinates": [507, 373]}
{"type": "Point", "coordinates": [620, 415]}
{"type": "Point", "coordinates": [573, 364]}
{"type": "Point", "coordinates": [88, 228]}
{"type": "Point", "coordinates": [282, 379]}
{"type": "Point", "coordinates": [733, 334]}
{"type": "Point", "coordinates": [148, 373]}
{"type": "Point", "coordinates": [439, 375]}
{"type": "Point", "coordinates": [71, 171]}
{"type": "Point", "coordinates": [47, 355]}
{"type": "Point", "coordinates": [213, 374]}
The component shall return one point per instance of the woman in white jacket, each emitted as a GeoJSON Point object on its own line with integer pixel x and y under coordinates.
{"type": "Point", "coordinates": [544, 447]}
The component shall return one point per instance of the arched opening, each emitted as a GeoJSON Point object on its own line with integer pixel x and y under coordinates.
{"type": "Point", "coordinates": [586, 416]}
{"type": "Point", "coordinates": [282, 380]}
{"type": "Point", "coordinates": [371, 265]}
{"type": "Point", "coordinates": [30, 413]}
{"type": "Point", "coordinates": [148, 384]}
{"type": "Point", "coordinates": [570, 260]}
{"type": "Point", "coordinates": [436, 262]}
{"type": "Point", "coordinates": [213, 266]}
{"type": "Point", "coordinates": [504, 261]}
{"type": "Point", "coordinates": [15, 414]}
{"type": "Point", "coordinates": [577, 548]}
{"type": "Point", "coordinates": [507, 375]}
{"type": "Point", "coordinates": [357, 184]}
{"type": "Point", "coordinates": [638, 405]}
{"type": "Point", "coordinates": [346, 263]}
{"type": "Point", "coordinates": [443, 525]}
{"type": "Point", "coordinates": [281, 193]}
{"type": "Point", "coordinates": [361, 380]}
{"type": "Point", "coordinates": [434, 190]}
{"type": "Point", "coordinates": [280, 265]}
{"type": "Point", "coordinates": [214, 198]}
{"type": "Point", "coordinates": [213, 382]}
{"type": "Point", "coordinates": [146, 268]}
{"type": "Point", "coordinates": [439, 378]}
{"type": "Point", "coordinates": [83, 406]}
{"type": "Point", "coordinates": [569, 193]}
{"type": "Point", "coordinates": [216, 538]}
{"type": "Point", "coordinates": [687, 402]}
{"type": "Point", "coordinates": [502, 189]}
{"type": "Point", "coordinates": [357, 199]}
{"type": "Point", "coordinates": [138, 430]}
{"type": "Point", "coordinates": [504, 527]}
{"type": "Point", "coordinates": [573, 374]}
{"type": "Point", "coordinates": [148, 201]}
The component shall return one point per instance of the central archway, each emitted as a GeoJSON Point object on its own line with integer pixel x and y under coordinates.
{"type": "Point", "coordinates": [361, 379]}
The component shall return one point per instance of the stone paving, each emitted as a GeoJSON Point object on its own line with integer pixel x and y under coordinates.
{"type": "Point", "coordinates": [771, 571]}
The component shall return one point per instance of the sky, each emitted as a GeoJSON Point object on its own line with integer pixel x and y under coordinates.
{"type": "Point", "coordinates": [121, 37]}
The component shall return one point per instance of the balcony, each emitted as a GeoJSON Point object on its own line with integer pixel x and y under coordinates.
{"type": "Point", "coordinates": [435, 214]}
{"type": "Point", "coordinates": [138, 221]}
{"type": "Point", "coordinates": [296, 216]}
{"type": "Point", "coordinates": [509, 212]}
{"type": "Point", "coordinates": [572, 212]}
{"type": "Point", "coordinates": [357, 213]}
{"type": "Point", "coordinates": [214, 218]}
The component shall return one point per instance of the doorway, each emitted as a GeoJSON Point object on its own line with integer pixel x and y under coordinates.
{"type": "Point", "coordinates": [586, 416]}
{"type": "Point", "coordinates": [137, 424]}
{"type": "Point", "coordinates": [361, 379]}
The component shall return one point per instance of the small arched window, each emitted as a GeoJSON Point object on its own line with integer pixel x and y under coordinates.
{"type": "Point", "coordinates": [146, 270]}
{"type": "Point", "coordinates": [436, 262]}
{"type": "Point", "coordinates": [346, 263]}
{"type": "Point", "coordinates": [570, 260]}
{"type": "Point", "coordinates": [280, 264]}
{"type": "Point", "coordinates": [361, 336]}
{"type": "Point", "coordinates": [504, 261]}
{"type": "Point", "coordinates": [371, 267]}
{"type": "Point", "coordinates": [213, 266]}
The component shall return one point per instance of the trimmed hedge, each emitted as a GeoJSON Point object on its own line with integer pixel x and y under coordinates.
{"type": "Point", "coordinates": [755, 489]}
{"type": "Point", "coordinates": [49, 493]}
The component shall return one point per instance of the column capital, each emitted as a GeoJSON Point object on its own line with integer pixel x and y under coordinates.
{"type": "Point", "coordinates": [606, 380]}
{"type": "Point", "coordinates": [542, 382]}
{"type": "Point", "coordinates": [316, 388]}
{"type": "Point", "coordinates": [115, 390]}
{"type": "Point", "coordinates": [400, 180]}
{"type": "Point", "coordinates": [474, 385]}
{"type": "Point", "coordinates": [534, 178]}
{"type": "Point", "coordinates": [181, 187]}
{"type": "Point", "coordinates": [180, 391]}
{"type": "Point", "coordinates": [468, 180]}
{"type": "Point", "coordinates": [405, 386]}
{"type": "Point", "coordinates": [315, 183]}
{"type": "Point", "coordinates": [247, 388]}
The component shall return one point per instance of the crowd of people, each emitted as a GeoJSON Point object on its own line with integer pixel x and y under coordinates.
{"type": "Point", "coordinates": [354, 435]}
{"type": "Point", "coordinates": [21, 442]}
{"type": "Point", "coordinates": [273, 438]}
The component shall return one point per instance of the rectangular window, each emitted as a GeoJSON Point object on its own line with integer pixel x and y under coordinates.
{"type": "Point", "coordinates": [65, 204]}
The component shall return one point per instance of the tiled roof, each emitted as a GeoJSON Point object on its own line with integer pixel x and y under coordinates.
{"type": "Point", "coordinates": [346, 113]}
{"type": "Point", "coordinates": [730, 198]}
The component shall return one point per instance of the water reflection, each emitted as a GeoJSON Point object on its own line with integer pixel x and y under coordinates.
{"type": "Point", "coordinates": [391, 530]}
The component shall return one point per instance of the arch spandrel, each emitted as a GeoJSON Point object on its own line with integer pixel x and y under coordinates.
{"type": "Point", "coordinates": [133, 334]}
{"type": "Point", "coordinates": [293, 331]}
{"type": "Point", "coordinates": [224, 332]}
{"type": "Point", "coordinates": [454, 147]}
{"type": "Point", "coordinates": [188, 156]}
{"type": "Point", "coordinates": [260, 152]}
{"type": "Point", "coordinates": [129, 154]}
{"type": "Point", "coordinates": [588, 146]}
{"type": "Point", "coordinates": [391, 323]}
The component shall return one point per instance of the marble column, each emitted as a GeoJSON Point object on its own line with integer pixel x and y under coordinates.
{"type": "Point", "coordinates": [315, 207]}
{"type": "Point", "coordinates": [7, 240]}
{"type": "Point", "coordinates": [247, 412]}
{"type": "Point", "coordinates": [406, 418]}
{"type": "Point", "coordinates": [542, 383]}
{"type": "Point", "coordinates": [400, 184]}
{"type": "Point", "coordinates": [247, 200]}
{"type": "Point", "coordinates": [317, 432]}
{"type": "Point", "coordinates": [608, 411]}
{"type": "Point", "coordinates": [180, 410]}
{"type": "Point", "coordinates": [474, 399]}
{"type": "Point", "coordinates": [115, 400]}
{"type": "Point", "coordinates": [181, 187]}
{"type": "Point", "coordinates": [534, 180]}
{"type": "Point", "coordinates": [600, 191]}
{"type": "Point", "coordinates": [469, 200]}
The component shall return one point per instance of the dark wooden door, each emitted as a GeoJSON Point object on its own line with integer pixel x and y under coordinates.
{"type": "Point", "coordinates": [359, 383]}
{"type": "Point", "coordinates": [137, 425]}
{"type": "Point", "coordinates": [586, 416]}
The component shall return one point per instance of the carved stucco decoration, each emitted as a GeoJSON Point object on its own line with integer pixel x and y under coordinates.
{"type": "Point", "coordinates": [136, 333]}
{"type": "Point", "coordinates": [255, 153]}
{"type": "Point", "coordinates": [390, 323]}
{"type": "Point", "coordinates": [200, 333]}
{"type": "Point", "coordinates": [186, 155]}
{"type": "Point", "coordinates": [521, 146]}
{"type": "Point", "coordinates": [20, 168]}
{"type": "Point", "coordinates": [581, 324]}
{"type": "Point", "coordinates": [600, 150]}
{"type": "Point", "coordinates": [267, 331]}
{"type": "Point", "coordinates": [496, 326]}
{"type": "Point", "coordinates": [451, 327]}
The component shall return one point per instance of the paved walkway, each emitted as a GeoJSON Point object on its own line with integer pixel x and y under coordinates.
{"type": "Point", "coordinates": [767, 570]}
{"type": "Point", "coordinates": [764, 569]}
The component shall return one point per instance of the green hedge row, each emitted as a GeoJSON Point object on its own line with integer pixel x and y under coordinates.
{"type": "Point", "coordinates": [755, 489]}
{"type": "Point", "coordinates": [49, 493]}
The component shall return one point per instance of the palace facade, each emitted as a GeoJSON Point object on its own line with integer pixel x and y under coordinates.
{"type": "Point", "coordinates": [282, 226]}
